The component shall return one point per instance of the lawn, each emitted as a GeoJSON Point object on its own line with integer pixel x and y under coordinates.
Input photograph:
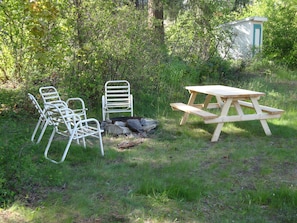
{"type": "Point", "coordinates": [175, 175]}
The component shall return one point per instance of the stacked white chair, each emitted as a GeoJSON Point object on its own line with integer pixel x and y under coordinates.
{"type": "Point", "coordinates": [68, 119]}
{"type": "Point", "coordinates": [69, 124]}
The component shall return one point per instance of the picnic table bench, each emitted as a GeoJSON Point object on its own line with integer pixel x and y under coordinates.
{"type": "Point", "coordinates": [193, 110]}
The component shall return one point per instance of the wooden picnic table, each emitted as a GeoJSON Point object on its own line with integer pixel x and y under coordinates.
{"type": "Point", "coordinates": [226, 97]}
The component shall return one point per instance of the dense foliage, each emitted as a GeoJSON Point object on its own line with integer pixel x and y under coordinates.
{"type": "Point", "coordinates": [78, 45]}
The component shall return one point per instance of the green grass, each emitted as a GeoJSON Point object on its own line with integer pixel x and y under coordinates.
{"type": "Point", "coordinates": [175, 175]}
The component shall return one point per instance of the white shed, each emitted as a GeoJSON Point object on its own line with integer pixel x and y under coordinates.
{"type": "Point", "coordinates": [246, 38]}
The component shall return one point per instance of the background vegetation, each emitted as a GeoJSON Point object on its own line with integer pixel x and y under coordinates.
{"type": "Point", "coordinates": [159, 46]}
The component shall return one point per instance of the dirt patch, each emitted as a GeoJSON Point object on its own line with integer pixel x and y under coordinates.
{"type": "Point", "coordinates": [7, 216]}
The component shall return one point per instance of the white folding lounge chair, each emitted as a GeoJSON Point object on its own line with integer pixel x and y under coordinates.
{"type": "Point", "coordinates": [117, 98]}
{"type": "Point", "coordinates": [43, 120]}
{"type": "Point", "coordinates": [50, 95]}
{"type": "Point", "coordinates": [68, 124]}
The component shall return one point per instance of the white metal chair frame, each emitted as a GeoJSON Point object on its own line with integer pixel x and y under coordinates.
{"type": "Point", "coordinates": [43, 120]}
{"type": "Point", "coordinates": [67, 123]}
{"type": "Point", "coordinates": [50, 95]}
{"type": "Point", "coordinates": [117, 98]}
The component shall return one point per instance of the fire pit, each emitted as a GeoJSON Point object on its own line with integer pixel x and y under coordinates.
{"type": "Point", "coordinates": [129, 125]}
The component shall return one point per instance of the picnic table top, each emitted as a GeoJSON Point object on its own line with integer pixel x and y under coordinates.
{"type": "Point", "coordinates": [224, 91]}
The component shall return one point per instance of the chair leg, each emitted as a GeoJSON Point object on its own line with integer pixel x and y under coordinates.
{"type": "Point", "coordinates": [80, 139]}
{"type": "Point", "coordinates": [100, 139]}
{"type": "Point", "coordinates": [66, 149]}
{"type": "Point", "coordinates": [42, 131]}
{"type": "Point", "coordinates": [36, 129]}
{"type": "Point", "coordinates": [131, 98]}
{"type": "Point", "coordinates": [101, 144]}
{"type": "Point", "coordinates": [103, 111]}
{"type": "Point", "coordinates": [84, 142]}
{"type": "Point", "coordinates": [48, 146]}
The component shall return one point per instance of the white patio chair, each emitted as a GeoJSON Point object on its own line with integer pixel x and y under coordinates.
{"type": "Point", "coordinates": [50, 94]}
{"type": "Point", "coordinates": [43, 120]}
{"type": "Point", "coordinates": [68, 124]}
{"type": "Point", "coordinates": [117, 98]}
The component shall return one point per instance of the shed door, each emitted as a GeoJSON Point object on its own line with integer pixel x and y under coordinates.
{"type": "Point", "coordinates": [257, 38]}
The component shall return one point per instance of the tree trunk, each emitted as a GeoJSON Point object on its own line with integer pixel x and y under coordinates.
{"type": "Point", "coordinates": [156, 18]}
{"type": "Point", "coordinates": [79, 39]}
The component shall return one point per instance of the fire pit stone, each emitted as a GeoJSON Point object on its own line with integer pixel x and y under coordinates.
{"type": "Point", "coordinates": [128, 125]}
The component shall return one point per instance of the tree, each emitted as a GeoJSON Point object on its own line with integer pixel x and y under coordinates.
{"type": "Point", "coordinates": [240, 4]}
{"type": "Point", "coordinates": [156, 18]}
{"type": "Point", "coordinates": [194, 33]}
{"type": "Point", "coordinates": [13, 38]}
{"type": "Point", "coordinates": [32, 39]}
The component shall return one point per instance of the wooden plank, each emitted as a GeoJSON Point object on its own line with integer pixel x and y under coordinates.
{"type": "Point", "coordinates": [241, 118]}
{"type": "Point", "coordinates": [193, 110]}
{"type": "Point", "coordinates": [263, 108]}
{"type": "Point", "coordinates": [209, 106]}
{"type": "Point", "coordinates": [224, 91]}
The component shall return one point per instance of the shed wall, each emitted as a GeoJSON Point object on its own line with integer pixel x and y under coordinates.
{"type": "Point", "coordinates": [246, 38]}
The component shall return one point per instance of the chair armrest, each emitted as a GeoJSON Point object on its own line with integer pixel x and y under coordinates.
{"type": "Point", "coordinates": [88, 121]}
{"type": "Point", "coordinates": [71, 101]}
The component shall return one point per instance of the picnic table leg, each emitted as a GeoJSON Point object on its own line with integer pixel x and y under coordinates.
{"type": "Point", "coordinates": [207, 100]}
{"type": "Point", "coordinates": [238, 108]}
{"type": "Point", "coordinates": [190, 102]}
{"type": "Point", "coordinates": [184, 118]}
{"type": "Point", "coordinates": [262, 121]}
{"type": "Point", "coordinates": [220, 101]}
{"type": "Point", "coordinates": [220, 125]}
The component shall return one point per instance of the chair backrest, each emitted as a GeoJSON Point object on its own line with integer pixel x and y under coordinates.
{"type": "Point", "coordinates": [117, 94]}
{"type": "Point", "coordinates": [49, 94]}
{"type": "Point", "coordinates": [37, 106]}
{"type": "Point", "coordinates": [117, 98]}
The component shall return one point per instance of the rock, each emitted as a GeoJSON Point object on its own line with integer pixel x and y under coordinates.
{"type": "Point", "coordinates": [114, 129]}
{"type": "Point", "coordinates": [120, 123]}
{"type": "Point", "coordinates": [148, 128]}
{"type": "Point", "coordinates": [135, 125]}
{"type": "Point", "coordinates": [126, 131]}
{"type": "Point", "coordinates": [148, 122]}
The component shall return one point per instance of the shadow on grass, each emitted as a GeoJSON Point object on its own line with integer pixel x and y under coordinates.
{"type": "Point", "coordinates": [247, 128]}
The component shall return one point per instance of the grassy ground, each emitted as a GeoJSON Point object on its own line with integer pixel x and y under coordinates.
{"type": "Point", "coordinates": [175, 175]}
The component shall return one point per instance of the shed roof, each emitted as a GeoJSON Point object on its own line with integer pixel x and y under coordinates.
{"type": "Point", "coordinates": [252, 19]}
